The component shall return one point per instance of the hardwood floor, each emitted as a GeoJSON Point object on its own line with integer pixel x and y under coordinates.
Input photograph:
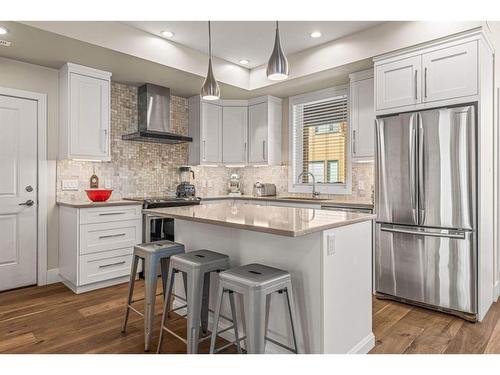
{"type": "Point", "coordinates": [52, 319]}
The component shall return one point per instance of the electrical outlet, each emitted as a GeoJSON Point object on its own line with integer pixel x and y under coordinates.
{"type": "Point", "coordinates": [69, 184]}
{"type": "Point", "coordinates": [361, 185]}
{"type": "Point", "coordinates": [108, 184]}
{"type": "Point", "coordinates": [204, 183]}
{"type": "Point", "coordinates": [330, 244]}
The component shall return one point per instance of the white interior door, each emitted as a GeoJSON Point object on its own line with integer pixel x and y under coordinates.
{"type": "Point", "coordinates": [18, 192]}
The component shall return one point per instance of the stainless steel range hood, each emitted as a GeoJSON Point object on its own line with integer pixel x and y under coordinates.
{"type": "Point", "coordinates": [153, 105]}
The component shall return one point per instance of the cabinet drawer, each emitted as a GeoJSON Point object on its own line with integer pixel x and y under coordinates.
{"type": "Point", "coordinates": [105, 266]}
{"type": "Point", "coordinates": [108, 236]}
{"type": "Point", "coordinates": [107, 214]}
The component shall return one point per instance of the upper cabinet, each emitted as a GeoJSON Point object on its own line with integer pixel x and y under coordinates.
{"type": "Point", "coordinates": [235, 131]}
{"type": "Point", "coordinates": [264, 130]}
{"type": "Point", "coordinates": [84, 113]}
{"type": "Point", "coordinates": [416, 80]}
{"type": "Point", "coordinates": [362, 114]}
{"type": "Point", "coordinates": [235, 134]}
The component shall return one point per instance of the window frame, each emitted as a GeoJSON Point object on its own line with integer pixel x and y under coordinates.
{"type": "Point", "coordinates": [293, 185]}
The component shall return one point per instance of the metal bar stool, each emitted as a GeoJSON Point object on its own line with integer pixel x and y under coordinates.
{"type": "Point", "coordinates": [152, 253]}
{"type": "Point", "coordinates": [196, 266]}
{"type": "Point", "coordinates": [256, 282]}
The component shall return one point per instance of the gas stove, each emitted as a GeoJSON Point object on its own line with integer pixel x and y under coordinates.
{"type": "Point", "coordinates": [168, 201]}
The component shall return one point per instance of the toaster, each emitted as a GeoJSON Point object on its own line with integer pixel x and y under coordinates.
{"type": "Point", "coordinates": [264, 190]}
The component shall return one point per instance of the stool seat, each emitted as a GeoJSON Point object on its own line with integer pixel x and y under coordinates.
{"type": "Point", "coordinates": [199, 259]}
{"type": "Point", "coordinates": [161, 248]}
{"type": "Point", "coordinates": [255, 275]}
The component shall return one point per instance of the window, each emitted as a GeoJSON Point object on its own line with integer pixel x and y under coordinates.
{"type": "Point", "coordinates": [319, 141]}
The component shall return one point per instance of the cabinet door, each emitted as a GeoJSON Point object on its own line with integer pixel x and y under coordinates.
{"type": "Point", "coordinates": [363, 118]}
{"type": "Point", "coordinates": [234, 134]}
{"type": "Point", "coordinates": [257, 133]}
{"type": "Point", "coordinates": [450, 72]}
{"type": "Point", "coordinates": [398, 83]}
{"type": "Point", "coordinates": [89, 117]}
{"type": "Point", "coordinates": [211, 133]}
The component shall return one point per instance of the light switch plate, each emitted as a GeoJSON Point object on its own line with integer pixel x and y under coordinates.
{"type": "Point", "coordinates": [69, 185]}
{"type": "Point", "coordinates": [330, 244]}
{"type": "Point", "coordinates": [108, 184]}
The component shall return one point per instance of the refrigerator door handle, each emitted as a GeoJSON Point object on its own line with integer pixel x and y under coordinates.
{"type": "Point", "coordinates": [421, 170]}
{"type": "Point", "coordinates": [438, 233]}
{"type": "Point", "coordinates": [411, 162]}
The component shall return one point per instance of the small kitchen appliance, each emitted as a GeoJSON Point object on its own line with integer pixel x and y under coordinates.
{"type": "Point", "coordinates": [264, 190]}
{"type": "Point", "coordinates": [234, 185]}
{"type": "Point", "coordinates": [186, 189]}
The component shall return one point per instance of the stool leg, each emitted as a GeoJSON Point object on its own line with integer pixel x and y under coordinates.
{"type": "Point", "coordinates": [164, 262]}
{"type": "Point", "coordinates": [194, 299]}
{"type": "Point", "coordinates": [131, 285]}
{"type": "Point", "coordinates": [291, 311]}
{"type": "Point", "coordinates": [150, 279]}
{"type": "Point", "coordinates": [166, 305]}
{"type": "Point", "coordinates": [235, 322]}
{"type": "Point", "coordinates": [255, 317]}
{"type": "Point", "coordinates": [204, 303]}
{"type": "Point", "coordinates": [220, 295]}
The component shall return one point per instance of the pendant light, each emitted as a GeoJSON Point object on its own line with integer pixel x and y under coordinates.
{"type": "Point", "coordinates": [277, 66]}
{"type": "Point", "coordinates": [210, 89]}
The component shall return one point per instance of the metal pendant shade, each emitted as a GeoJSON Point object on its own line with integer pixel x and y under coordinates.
{"type": "Point", "coordinates": [277, 66]}
{"type": "Point", "coordinates": [210, 89]}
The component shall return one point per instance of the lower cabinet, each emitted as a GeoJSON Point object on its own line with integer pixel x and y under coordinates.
{"type": "Point", "coordinates": [96, 245]}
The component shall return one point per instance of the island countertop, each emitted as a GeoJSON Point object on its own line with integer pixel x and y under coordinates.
{"type": "Point", "coordinates": [284, 221]}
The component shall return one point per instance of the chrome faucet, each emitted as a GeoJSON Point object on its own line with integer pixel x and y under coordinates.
{"type": "Point", "coordinates": [314, 192]}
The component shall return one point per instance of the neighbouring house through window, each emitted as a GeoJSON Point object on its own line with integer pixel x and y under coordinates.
{"type": "Point", "coordinates": [319, 141]}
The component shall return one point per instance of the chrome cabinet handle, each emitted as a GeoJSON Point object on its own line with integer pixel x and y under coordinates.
{"type": "Point", "coordinates": [425, 83]}
{"type": "Point", "coordinates": [263, 150]}
{"type": "Point", "coordinates": [112, 264]}
{"type": "Point", "coordinates": [28, 203]}
{"type": "Point", "coordinates": [416, 93]}
{"type": "Point", "coordinates": [204, 150]}
{"type": "Point", "coordinates": [111, 213]}
{"type": "Point", "coordinates": [112, 235]}
{"type": "Point", "coordinates": [354, 142]}
{"type": "Point", "coordinates": [245, 152]}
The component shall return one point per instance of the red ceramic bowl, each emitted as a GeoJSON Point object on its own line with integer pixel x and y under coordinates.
{"type": "Point", "coordinates": [99, 195]}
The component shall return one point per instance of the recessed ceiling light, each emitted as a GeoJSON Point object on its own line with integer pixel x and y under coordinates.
{"type": "Point", "coordinates": [167, 34]}
{"type": "Point", "coordinates": [244, 61]}
{"type": "Point", "coordinates": [316, 34]}
{"type": "Point", "coordinates": [3, 30]}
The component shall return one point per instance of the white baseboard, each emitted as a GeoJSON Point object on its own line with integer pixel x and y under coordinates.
{"type": "Point", "coordinates": [53, 276]}
{"type": "Point", "coordinates": [497, 290]}
{"type": "Point", "coordinates": [364, 346]}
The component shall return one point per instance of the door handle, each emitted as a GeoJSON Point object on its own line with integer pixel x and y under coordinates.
{"type": "Point", "coordinates": [411, 162]}
{"type": "Point", "coordinates": [28, 203]}
{"type": "Point", "coordinates": [264, 150]}
{"type": "Point", "coordinates": [421, 171]}
{"type": "Point", "coordinates": [416, 92]}
{"type": "Point", "coordinates": [457, 235]}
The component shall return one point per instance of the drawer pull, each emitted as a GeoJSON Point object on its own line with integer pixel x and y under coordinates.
{"type": "Point", "coordinates": [112, 264]}
{"type": "Point", "coordinates": [112, 235]}
{"type": "Point", "coordinates": [111, 213]}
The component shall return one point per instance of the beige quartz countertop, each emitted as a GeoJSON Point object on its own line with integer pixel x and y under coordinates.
{"type": "Point", "coordinates": [89, 204]}
{"type": "Point", "coordinates": [298, 199]}
{"type": "Point", "coordinates": [284, 221]}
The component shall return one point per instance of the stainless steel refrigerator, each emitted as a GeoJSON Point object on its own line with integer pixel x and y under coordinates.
{"type": "Point", "coordinates": [425, 239]}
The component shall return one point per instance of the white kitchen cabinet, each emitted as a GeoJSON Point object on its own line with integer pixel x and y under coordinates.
{"type": "Point", "coordinates": [96, 245]}
{"type": "Point", "coordinates": [205, 127]}
{"type": "Point", "coordinates": [450, 72]}
{"type": "Point", "coordinates": [362, 114]}
{"type": "Point", "coordinates": [84, 113]}
{"type": "Point", "coordinates": [438, 74]}
{"type": "Point", "coordinates": [234, 134]}
{"type": "Point", "coordinates": [264, 131]}
{"type": "Point", "coordinates": [398, 82]}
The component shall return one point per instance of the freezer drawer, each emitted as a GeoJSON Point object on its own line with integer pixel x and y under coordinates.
{"type": "Point", "coordinates": [432, 266]}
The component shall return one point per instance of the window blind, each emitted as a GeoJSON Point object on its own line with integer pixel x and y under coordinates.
{"type": "Point", "coordinates": [320, 140]}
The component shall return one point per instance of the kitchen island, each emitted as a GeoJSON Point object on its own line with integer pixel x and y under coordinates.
{"type": "Point", "coordinates": [328, 254]}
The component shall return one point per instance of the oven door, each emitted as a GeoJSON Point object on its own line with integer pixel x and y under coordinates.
{"type": "Point", "coordinates": [156, 228]}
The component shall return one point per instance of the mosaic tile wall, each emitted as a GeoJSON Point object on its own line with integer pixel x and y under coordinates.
{"type": "Point", "coordinates": [149, 169]}
{"type": "Point", "coordinates": [136, 168]}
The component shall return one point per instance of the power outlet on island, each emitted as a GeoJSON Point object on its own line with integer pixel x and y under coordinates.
{"type": "Point", "coordinates": [330, 239]}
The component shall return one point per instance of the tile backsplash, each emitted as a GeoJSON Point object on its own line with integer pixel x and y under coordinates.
{"type": "Point", "coordinates": [150, 169]}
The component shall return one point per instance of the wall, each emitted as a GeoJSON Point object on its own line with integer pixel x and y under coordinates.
{"type": "Point", "coordinates": [136, 168]}
{"type": "Point", "coordinates": [29, 77]}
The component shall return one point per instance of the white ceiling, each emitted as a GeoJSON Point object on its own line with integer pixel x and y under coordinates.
{"type": "Point", "coordinates": [252, 40]}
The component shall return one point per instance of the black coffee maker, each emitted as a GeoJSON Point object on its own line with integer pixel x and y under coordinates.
{"type": "Point", "coordinates": [186, 189]}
